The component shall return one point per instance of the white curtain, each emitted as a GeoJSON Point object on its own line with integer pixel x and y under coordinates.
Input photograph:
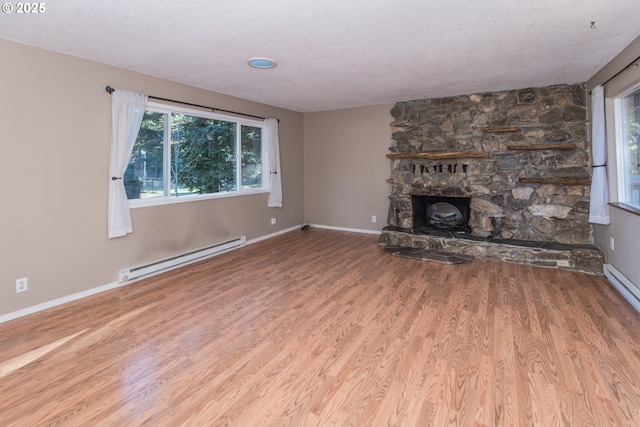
{"type": "Point", "coordinates": [273, 153]}
{"type": "Point", "coordinates": [127, 111]}
{"type": "Point", "coordinates": [599, 208]}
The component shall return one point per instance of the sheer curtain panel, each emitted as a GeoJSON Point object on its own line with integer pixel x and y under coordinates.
{"type": "Point", "coordinates": [599, 207]}
{"type": "Point", "coordinates": [127, 112]}
{"type": "Point", "coordinates": [273, 152]}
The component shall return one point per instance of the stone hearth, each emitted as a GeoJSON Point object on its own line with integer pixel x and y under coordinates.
{"type": "Point", "coordinates": [520, 156]}
{"type": "Point", "coordinates": [441, 257]}
{"type": "Point", "coordinates": [586, 258]}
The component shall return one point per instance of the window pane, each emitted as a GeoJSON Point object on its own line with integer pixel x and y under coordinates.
{"type": "Point", "coordinates": [144, 176]}
{"type": "Point", "coordinates": [203, 155]}
{"type": "Point", "coordinates": [631, 155]}
{"type": "Point", "coordinates": [251, 146]}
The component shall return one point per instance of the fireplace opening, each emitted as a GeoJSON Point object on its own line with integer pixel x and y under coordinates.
{"type": "Point", "coordinates": [441, 213]}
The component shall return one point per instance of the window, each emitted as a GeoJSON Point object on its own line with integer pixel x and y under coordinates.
{"type": "Point", "coordinates": [183, 154]}
{"type": "Point", "coordinates": [628, 138]}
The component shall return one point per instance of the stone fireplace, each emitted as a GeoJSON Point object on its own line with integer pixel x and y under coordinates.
{"type": "Point", "coordinates": [514, 164]}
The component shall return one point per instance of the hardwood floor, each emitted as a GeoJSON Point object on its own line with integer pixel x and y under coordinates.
{"type": "Point", "coordinates": [322, 328]}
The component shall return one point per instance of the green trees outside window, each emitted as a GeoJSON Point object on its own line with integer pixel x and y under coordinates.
{"type": "Point", "coordinates": [199, 154]}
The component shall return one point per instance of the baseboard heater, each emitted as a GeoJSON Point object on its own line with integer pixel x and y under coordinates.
{"type": "Point", "coordinates": [626, 287]}
{"type": "Point", "coordinates": [141, 271]}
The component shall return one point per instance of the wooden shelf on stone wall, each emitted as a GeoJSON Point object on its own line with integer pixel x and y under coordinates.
{"type": "Point", "coordinates": [501, 129]}
{"type": "Point", "coordinates": [563, 147]}
{"type": "Point", "coordinates": [556, 181]}
{"type": "Point", "coordinates": [441, 155]}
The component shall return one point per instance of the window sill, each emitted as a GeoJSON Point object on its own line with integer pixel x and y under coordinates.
{"type": "Point", "coordinates": [626, 207]}
{"type": "Point", "coordinates": [145, 203]}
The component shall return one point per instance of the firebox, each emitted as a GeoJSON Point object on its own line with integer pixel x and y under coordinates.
{"type": "Point", "coordinates": [441, 213]}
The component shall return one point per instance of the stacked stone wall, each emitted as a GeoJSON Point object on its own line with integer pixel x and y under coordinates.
{"type": "Point", "coordinates": [492, 122]}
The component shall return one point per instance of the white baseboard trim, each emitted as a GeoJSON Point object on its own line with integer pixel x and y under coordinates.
{"type": "Point", "coordinates": [351, 230]}
{"type": "Point", "coordinates": [277, 233]}
{"type": "Point", "coordinates": [69, 298]}
{"type": "Point", "coordinates": [63, 300]}
{"type": "Point", "coordinates": [627, 289]}
{"type": "Point", "coordinates": [56, 302]}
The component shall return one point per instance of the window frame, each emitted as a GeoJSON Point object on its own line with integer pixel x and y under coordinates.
{"type": "Point", "coordinates": [621, 148]}
{"type": "Point", "coordinates": [241, 191]}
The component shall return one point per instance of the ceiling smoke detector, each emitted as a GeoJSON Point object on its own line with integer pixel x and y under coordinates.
{"type": "Point", "coordinates": [262, 63]}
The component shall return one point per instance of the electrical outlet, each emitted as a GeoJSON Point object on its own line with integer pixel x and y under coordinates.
{"type": "Point", "coordinates": [373, 218]}
{"type": "Point", "coordinates": [273, 221]}
{"type": "Point", "coordinates": [562, 263]}
{"type": "Point", "coordinates": [21, 285]}
{"type": "Point", "coordinates": [612, 243]}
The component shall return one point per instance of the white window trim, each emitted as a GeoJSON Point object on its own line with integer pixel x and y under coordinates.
{"type": "Point", "coordinates": [242, 191]}
{"type": "Point", "coordinates": [167, 200]}
{"type": "Point", "coordinates": [627, 82]}
{"type": "Point", "coordinates": [621, 150]}
{"type": "Point", "coordinates": [617, 142]}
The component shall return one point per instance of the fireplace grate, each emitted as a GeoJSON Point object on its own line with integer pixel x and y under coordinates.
{"type": "Point", "coordinates": [441, 213]}
{"type": "Point", "coordinates": [444, 215]}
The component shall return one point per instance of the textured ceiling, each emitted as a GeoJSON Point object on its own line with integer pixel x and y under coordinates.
{"type": "Point", "coordinates": [340, 53]}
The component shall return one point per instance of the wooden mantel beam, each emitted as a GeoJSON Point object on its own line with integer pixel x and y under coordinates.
{"type": "Point", "coordinates": [441, 155]}
{"type": "Point", "coordinates": [500, 129]}
{"type": "Point", "coordinates": [566, 147]}
{"type": "Point", "coordinates": [557, 181]}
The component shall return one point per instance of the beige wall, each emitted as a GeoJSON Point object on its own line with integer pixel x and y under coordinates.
{"type": "Point", "coordinates": [625, 226]}
{"type": "Point", "coordinates": [345, 168]}
{"type": "Point", "coordinates": [55, 127]}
